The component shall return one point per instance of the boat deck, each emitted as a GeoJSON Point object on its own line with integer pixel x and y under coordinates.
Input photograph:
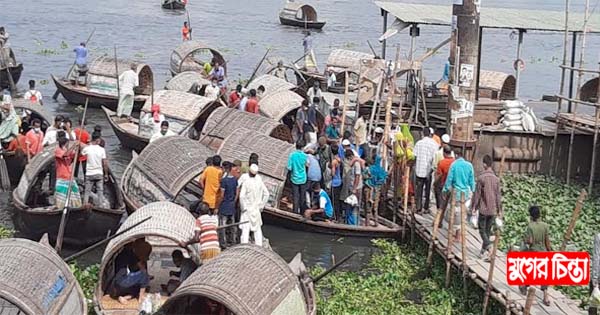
{"type": "Point", "coordinates": [581, 122]}
{"type": "Point", "coordinates": [478, 271]}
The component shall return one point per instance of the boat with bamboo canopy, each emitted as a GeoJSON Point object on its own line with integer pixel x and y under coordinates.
{"type": "Point", "coordinates": [34, 280]}
{"type": "Point", "coordinates": [300, 15]}
{"type": "Point", "coordinates": [9, 66]}
{"type": "Point", "coordinates": [101, 84]}
{"type": "Point", "coordinates": [186, 80]}
{"type": "Point", "coordinates": [192, 55]}
{"type": "Point", "coordinates": [180, 109]}
{"type": "Point", "coordinates": [37, 213]}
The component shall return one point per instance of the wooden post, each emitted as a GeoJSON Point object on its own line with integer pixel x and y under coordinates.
{"type": "Point", "coordinates": [596, 130]}
{"type": "Point", "coordinates": [405, 199]}
{"type": "Point", "coordinates": [574, 217]}
{"type": "Point", "coordinates": [345, 106]}
{"type": "Point", "coordinates": [529, 301]}
{"type": "Point", "coordinates": [436, 224]}
{"type": "Point", "coordinates": [395, 183]}
{"type": "Point", "coordinates": [117, 77]}
{"type": "Point", "coordinates": [375, 108]}
{"type": "Point", "coordinates": [508, 303]}
{"type": "Point", "coordinates": [450, 244]}
{"type": "Point", "coordinates": [463, 242]}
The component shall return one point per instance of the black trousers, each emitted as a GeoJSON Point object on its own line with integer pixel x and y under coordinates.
{"type": "Point", "coordinates": [299, 198]}
{"type": "Point", "coordinates": [423, 187]}
{"type": "Point", "coordinates": [484, 223]}
{"type": "Point", "coordinates": [337, 203]}
{"type": "Point", "coordinates": [83, 167]}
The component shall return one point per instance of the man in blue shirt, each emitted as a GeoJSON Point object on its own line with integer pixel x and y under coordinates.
{"type": "Point", "coordinates": [461, 179]}
{"type": "Point", "coordinates": [314, 173]}
{"type": "Point", "coordinates": [227, 210]}
{"type": "Point", "coordinates": [80, 62]}
{"type": "Point", "coordinates": [321, 208]}
{"type": "Point", "coordinates": [297, 164]}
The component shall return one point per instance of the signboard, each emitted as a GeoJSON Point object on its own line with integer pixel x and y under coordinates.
{"type": "Point", "coordinates": [467, 73]}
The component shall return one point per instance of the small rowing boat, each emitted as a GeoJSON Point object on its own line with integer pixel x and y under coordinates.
{"type": "Point", "coordinates": [9, 65]}
{"type": "Point", "coordinates": [37, 214]}
{"type": "Point", "coordinates": [300, 15]}
{"type": "Point", "coordinates": [174, 4]}
{"type": "Point", "coordinates": [192, 55]}
{"type": "Point", "coordinates": [101, 84]}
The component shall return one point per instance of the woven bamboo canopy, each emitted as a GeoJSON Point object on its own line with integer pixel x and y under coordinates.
{"type": "Point", "coordinates": [102, 77]}
{"type": "Point", "coordinates": [37, 281]}
{"type": "Point", "coordinates": [247, 280]}
{"type": "Point", "coordinates": [163, 169]}
{"type": "Point", "coordinates": [169, 221]}
{"type": "Point", "coordinates": [340, 60]}
{"type": "Point", "coordinates": [36, 108]}
{"type": "Point", "coordinates": [271, 83]}
{"type": "Point", "coordinates": [184, 81]}
{"type": "Point", "coordinates": [589, 91]}
{"type": "Point", "coordinates": [180, 105]}
{"type": "Point", "coordinates": [191, 56]}
{"type": "Point", "coordinates": [35, 166]}
{"type": "Point", "coordinates": [273, 155]}
{"type": "Point", "coordinates": [224, 121]}
{"type": "Point", "coordinates": [301, 11]}
{"type": "Point", "coordinates": [499, 85]}
{"type": "Point", "coordinates": [278, 105]}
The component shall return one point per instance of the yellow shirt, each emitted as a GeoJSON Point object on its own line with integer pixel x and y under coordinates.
{"type": "Point", "coordinates": [211, 177]}
{"type": "Point", "coordinates": [360, 131]}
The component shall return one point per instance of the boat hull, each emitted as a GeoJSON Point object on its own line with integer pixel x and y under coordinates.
{"type": "Point", "coordinates": [15, 72]}
{"type": "Point", "coordinates": [301, 23]}
{"type": "Point", "coordinates": [173, 5]}
{"type": "Point", "coordinates": [296, 222]}
{"type": "Point", "coordinates": [127, 139]}
{"type": "Point", "coordinates": [79, 96]}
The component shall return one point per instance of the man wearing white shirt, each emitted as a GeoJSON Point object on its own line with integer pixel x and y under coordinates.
{"type": "Point", "coordinates": [50, 136]}
{"type": "Point", "coordinates": [128, 80]}
{"type": "Point", "coordinates": [32, 94]}
{"type": "Point", "coordinates": [164, 132]}
{"type": "Point", "coordinates": [96, 170]}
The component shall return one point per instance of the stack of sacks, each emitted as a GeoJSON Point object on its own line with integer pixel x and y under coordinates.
{"type": "Point", "coordinates": [517, 117]}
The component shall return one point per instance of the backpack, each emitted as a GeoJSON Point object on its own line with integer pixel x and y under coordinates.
{"type": "Point", "coordinates": [33, 98]}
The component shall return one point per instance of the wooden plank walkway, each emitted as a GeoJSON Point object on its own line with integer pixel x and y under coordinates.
{"type": "Point", "coordinates": [479, 270]}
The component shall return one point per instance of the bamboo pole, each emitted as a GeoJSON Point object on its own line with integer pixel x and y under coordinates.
{"type": "Point", "coordinates": [579, 79]}
{"type": "Point", "coordinates": [434, 233]}
{"type": "Point", "coordinates": [450, 239]}
{"type": "Point", "coordinates": [345, 106]}
{"type": "Point", "coordinates": [375, 108]}
{"type": "Point", "coordinates": [257, 67]}
{"type": "Point", "coordinates": [395, 183]}
{"type": "Point", "coordinates": [11, 82]}
{"type": "Point", "coordinates": [117, 77]}
{"type": "Point", "coordinates": [405, 199]}
{"type": "Point", "coordinates": [529, 301]}
{"type": "Point", "coordinates": [574, 217]}
{"type": "Point", "coordinates": [463, 241]}
{"type": "Point", "coordinates": [596, 130]}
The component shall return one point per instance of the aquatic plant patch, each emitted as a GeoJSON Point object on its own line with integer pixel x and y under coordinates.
{"type": "Point", "coordinates": [6, 232]}
{"type": "Point", "coordinates": [87, 278]}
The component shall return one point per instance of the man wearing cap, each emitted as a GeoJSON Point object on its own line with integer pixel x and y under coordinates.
{"type": "Point", "coordinates": [360, 135]}
{"type": "Point", "coordinates": [254, 196]}
{"type": "Point", "coordinates": [439, 155]}
{"type": "Point", "coordinates": [297, 165]}
{"type": "Point", "coordinates": [425, 150]}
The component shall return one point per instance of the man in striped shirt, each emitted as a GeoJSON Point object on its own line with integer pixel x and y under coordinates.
{"type": "Point", "coordinates": [205, 233]}
{"type": "Point", "coordinates": [425, 150]}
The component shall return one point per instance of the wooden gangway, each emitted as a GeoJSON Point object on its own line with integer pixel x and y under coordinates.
{"type": "Point", "coordinates": [478, 271]}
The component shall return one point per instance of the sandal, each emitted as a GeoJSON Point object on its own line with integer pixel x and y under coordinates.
{"type": "Point", "coordinates": [547, 302]}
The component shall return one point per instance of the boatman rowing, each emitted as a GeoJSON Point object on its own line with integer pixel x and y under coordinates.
{"type": "Point", "coordinates": [186, 32]}
{"type": "Point", "coordinates": [128, 80]}
{"type": "Point", "coordinates": [80, 68]}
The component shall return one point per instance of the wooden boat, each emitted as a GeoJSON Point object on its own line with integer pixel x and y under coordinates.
{"type": "Point", "coordinates": [9, 66]}
{"type": "Point", "coordinates": [101, 84]}
{"type": "Point", "coordinates": [219, 124]}
{"type": "Point", "coordinates": [191, 55]}
{"type": "Point", "coordinates": [185, 81]}
{"type": "Point", "coordinates": [148, 179]}
{"type": "Point", "coordinates": [271, 83]}
{"type": "Point", "coordinates": [233, 278]}
{"type": "Point", "coordinates": [341, 61]}
{"type": "Point", "coordinates": [300, 15]}
{"type": "Point", "coordinates": [180, 109]}
{"type": "Point", "coordinates": [169, 225]}
{"type": "Point", "coordinates": [37, 215]}
{"type": "Point", "coordinates": [282, 106]}
{"type": "Point", "coordinates": [36, 281]}
{"type": "Point", "coordinates": [16, 162]}
{"type": "Point", "coordinates": [174, 4]}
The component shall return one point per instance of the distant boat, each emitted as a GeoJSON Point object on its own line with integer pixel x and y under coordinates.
{"type": "Point", "coordinates": [300, 15]}
{"type": "Point", "coordinates": [7, 66]}
{"type": "Point", "coordinates": [174, 4]}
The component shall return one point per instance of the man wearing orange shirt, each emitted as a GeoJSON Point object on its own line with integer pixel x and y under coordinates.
{"type": "Point", "coordinates": [442, 170]}
{"type": "Point", "coordinates": [252, 105]}
{"type": "Point", "coordinates": [84, 137]}
{"type": "Point", "coordinates": [35, 138]}
{"type": "Point", "coordinates": [64, 155]}
{"type": "Point", "coordinates": [186, 32]}
{"type": "Point", "coordinates": [210, 181]}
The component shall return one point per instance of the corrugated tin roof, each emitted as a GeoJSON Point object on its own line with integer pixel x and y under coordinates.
{"type": "Point", "coordinates": [539, 20]}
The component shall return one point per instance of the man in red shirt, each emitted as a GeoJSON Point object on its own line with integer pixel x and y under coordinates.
{"type": "Point", "coordinates": [64, 156]}
{"type": "Point", "coordinates": [443, 168]}
{"type": "Point", "coordinates": [252, 106]}
{"type": "Point", "coordinates": [186, 32]}
{"type": "Point", "coordinates": [84, 137]}
{"type": "Point", "coordinates": [35, 138]}
{"type": "Point", "coordinates": [235, 97]}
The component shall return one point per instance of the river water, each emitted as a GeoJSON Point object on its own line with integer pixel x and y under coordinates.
{"type": "Point", "coordinates": [43, 33]}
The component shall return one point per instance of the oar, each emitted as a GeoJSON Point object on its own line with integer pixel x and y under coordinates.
{"type": "Point", "coordinates": [189, 23]}
{"type": "Point", "coordinates": [230, 225]}
{"type": "Point", "coordinates": [55, 96]}
{"type": "Point", "coordinates": [257, 66]}
{"type": "Point", "coordinates": [63, 219]}
{"type": "Point", "coordinates": [332, 268]}
{"type": "Point", "coordinates": [104, 241]}
{"type": "Point", "coordinates": [372, 50]}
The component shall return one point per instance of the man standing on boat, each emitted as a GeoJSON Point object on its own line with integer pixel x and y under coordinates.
{"type": "Point", "coordinates": [280, 71]}
{"type": "Point", "coordinates": [254, 196]}
{"type": "Point", "coordinates": [81, 53]}
{"type": "Point", "coordinates": [128, 80]}
{"type": "Point", "coordinates": [3, 36]}
{"type": "Point", "coordinates": [307, 43]}
{"type": "Point", "coordinates": [297, 165]}
{"type": "Point", "coordinates": [34, 138]}
{"type": "Point", "coordinates": [186, 32]}
{"type": "Point", "coordinates": [164, 132]}
{"type": "Point", "coordinates": [96, 170]}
